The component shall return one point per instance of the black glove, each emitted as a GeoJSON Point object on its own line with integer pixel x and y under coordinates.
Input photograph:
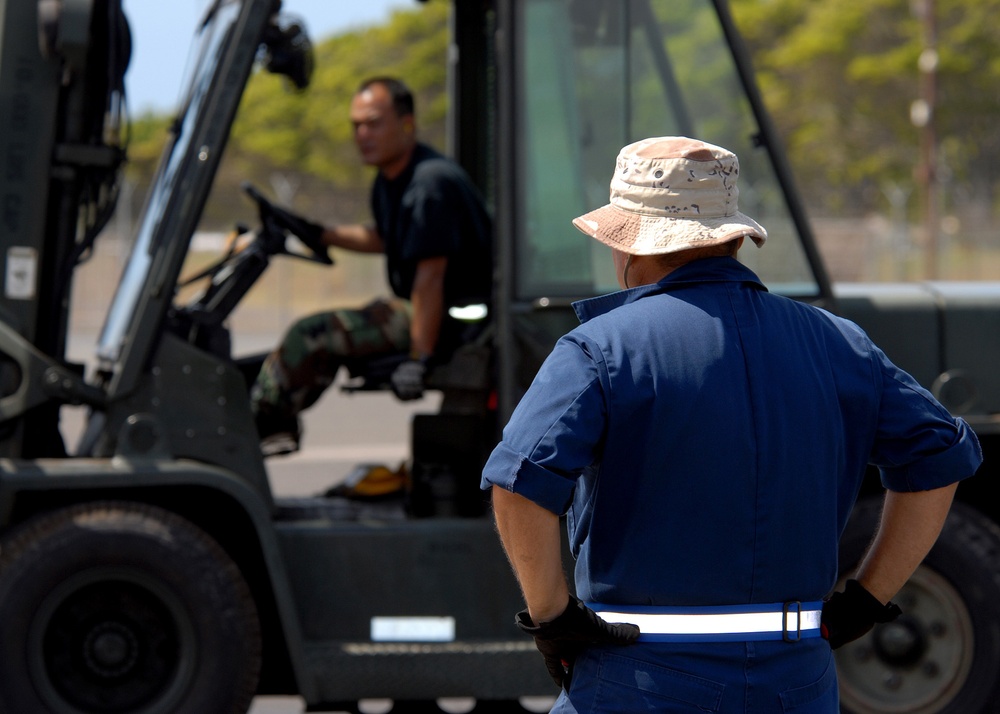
{"type": "Point", "coordinates": [850, 614]}
{"type": "Point", "coordinates": [408, 379]}
{"type": "Point", "coordinates": [310, 233]}
{"type": "Point", "coordinates": [563, 639]}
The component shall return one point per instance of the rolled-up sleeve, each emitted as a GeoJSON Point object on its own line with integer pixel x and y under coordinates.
{"type": "Point", "coordinates": [920, 446]}
{"type": "Point", "coordinates": [555, 431]}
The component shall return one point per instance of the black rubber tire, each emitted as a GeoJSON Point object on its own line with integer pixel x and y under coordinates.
{"type": "Point", "coordinates": [942, 656]}
{"type": "Point", "coordinates": [123, 607]}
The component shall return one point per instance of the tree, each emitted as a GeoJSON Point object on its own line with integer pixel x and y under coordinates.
{"type": "Point", "coordinates": [308, 134]}
{"type": "Point", "coordinates": [839, 78]}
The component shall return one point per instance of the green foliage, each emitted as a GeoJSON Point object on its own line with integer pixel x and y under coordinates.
{"type": "Point", "coordinates": [839, 78]}
{"type": "Point", "coordinates": [309, 131]}
{"type": "Point", "coordinates": [147, 137]}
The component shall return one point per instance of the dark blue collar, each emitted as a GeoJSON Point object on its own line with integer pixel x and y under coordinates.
{"type": "Point", "coordinates": [705, 270]}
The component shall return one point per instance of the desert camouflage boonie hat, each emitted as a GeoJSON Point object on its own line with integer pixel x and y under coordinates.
{"type": "Point", "coordinates": [668, 194]}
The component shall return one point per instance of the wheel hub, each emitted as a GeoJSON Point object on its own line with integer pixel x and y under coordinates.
{"type": "Point", "coordinates": [901, 643]}
{"type": "Point", "coordinates": [917, 663]}
{"type": "Point", "coordinates": [110, 645]}
{"type": "Point", "coordinates": [110, 649]}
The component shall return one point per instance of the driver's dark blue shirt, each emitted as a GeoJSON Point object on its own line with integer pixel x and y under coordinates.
{"type": "Point", "coordinates": [431, 210]}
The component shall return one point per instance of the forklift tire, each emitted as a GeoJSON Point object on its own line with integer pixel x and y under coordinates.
{"type": "Point", "coordinates": [942, 656]}
{"type": "Point", "coordinates": [123, 607]}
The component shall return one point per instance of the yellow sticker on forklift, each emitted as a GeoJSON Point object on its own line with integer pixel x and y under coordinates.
{"type": "Point", "coordinates": [22, 271]}
{"type": "Point", "coordinates": [413, 629]}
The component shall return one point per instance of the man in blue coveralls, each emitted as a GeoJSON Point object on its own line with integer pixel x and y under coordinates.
{"type": "Point", "coordinates": [707, 441]}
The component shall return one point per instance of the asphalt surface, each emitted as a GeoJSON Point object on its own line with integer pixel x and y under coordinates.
{"type": "Point", "coordinates": [294, 705]}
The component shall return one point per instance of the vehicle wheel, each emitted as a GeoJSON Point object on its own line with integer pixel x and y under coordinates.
{"type": "Point", "coordinates": [123, 607]}
{"type": "Point", "coordinates": [942, 655]}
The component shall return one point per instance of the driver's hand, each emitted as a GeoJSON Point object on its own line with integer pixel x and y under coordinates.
{"type": "Point", "coordinates": [310, 233]}
{"type": "Point", "coordinates": [408, 380]}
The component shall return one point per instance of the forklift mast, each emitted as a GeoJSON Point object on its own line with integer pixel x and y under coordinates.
{"type": "Point", "coordinates": [62, 69]}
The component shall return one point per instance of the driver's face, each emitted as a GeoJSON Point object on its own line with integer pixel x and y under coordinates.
{"type": "Point", "coordinates": [383, 137]}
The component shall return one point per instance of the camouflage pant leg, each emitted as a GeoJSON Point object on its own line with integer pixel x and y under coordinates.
{"type": "Point", "coordinates": [295, 374]}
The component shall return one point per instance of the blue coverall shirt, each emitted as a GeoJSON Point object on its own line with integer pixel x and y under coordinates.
{"type": "Point", "coordinates": [707, 440]}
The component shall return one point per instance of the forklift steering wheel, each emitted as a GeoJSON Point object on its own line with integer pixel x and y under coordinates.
{"type": "Point", "coordinates": [274, 233]}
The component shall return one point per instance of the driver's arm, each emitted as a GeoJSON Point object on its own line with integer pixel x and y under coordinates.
{"type": "Point", "coordinates": [359, 238]}
{"type": "Point", "coordinates": [427, 299]}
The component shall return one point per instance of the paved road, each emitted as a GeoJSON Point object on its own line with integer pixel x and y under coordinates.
{"type": "Point", "coordinates": [294, 705]}
{"type": "Point", "coordinates": [277, 705]}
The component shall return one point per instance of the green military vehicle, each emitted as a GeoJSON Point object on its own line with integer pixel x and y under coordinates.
{"type": "Point", "coordinates": [151, 569]}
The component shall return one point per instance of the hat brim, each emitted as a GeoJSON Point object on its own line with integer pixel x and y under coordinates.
{"type": "Point", "coordinates": [640, 234]}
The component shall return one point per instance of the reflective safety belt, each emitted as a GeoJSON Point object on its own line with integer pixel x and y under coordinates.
{"type": "Point", "coordinates": [788, 621]}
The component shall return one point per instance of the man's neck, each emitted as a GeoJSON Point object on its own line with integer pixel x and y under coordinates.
{"type": "Point", "coordinates": [646, 270]}
{"type": "Point", "coordinates": [398, 166]}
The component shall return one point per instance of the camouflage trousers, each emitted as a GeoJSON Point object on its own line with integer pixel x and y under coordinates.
{"type": "Point", "coordinates": [295, 374]}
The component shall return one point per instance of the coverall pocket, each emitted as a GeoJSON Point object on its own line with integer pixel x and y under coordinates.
{"type": "Point", "coordinates": [632, 685]}
{"type": "Point", "coordinates": [820, 697]}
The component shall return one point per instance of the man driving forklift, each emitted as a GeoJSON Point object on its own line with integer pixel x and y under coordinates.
{"type": "Point", "coordinates": [431, 224]}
